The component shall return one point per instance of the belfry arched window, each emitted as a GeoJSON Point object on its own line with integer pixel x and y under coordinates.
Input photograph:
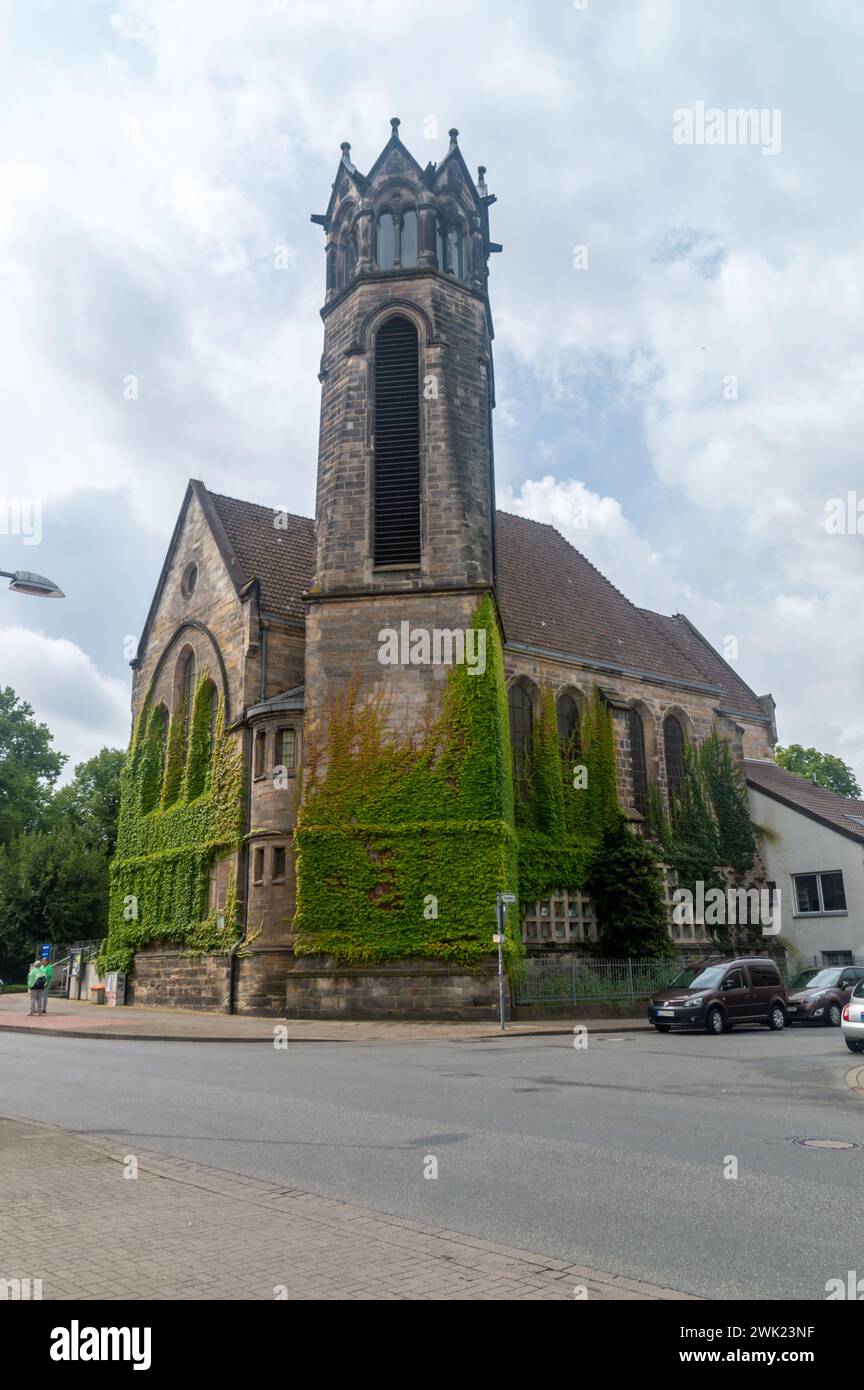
{"type": "Point", "coordinates": [396, 473]}
{"type": "Point", "coordinates": [455, 251]}
{"type": "Point", "coordinates": [385, 242]}
{"type": "Point", "coordinates": [349, 258]}
{"type": "Point", "coordinates": [521, 728]}
{"type": "Point", "coordinates": [408, 248]}
{"type": "Point", "coordinates": [638, 762]}
{"type": "Point", "coordinates": [673, 752]}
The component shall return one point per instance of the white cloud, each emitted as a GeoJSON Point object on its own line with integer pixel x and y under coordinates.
{"type": "Point", "coordinates": [84, 710]}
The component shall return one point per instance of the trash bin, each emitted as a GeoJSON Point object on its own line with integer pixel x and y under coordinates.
{"type": "Point", "coordinates": [97, 994]}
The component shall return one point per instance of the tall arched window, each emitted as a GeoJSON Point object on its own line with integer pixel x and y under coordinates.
{"type": "Point", "coordinates": [521, 725]}
{"type": "Point", "coordinates": [408, 248]}
{"type": "Point", "coordinates": [396, 501]}
{"type": "Point", "coordinates": [385, 242]}
{"type": "Point", "coordinates": [568, 728]}
{"type": "Point", "coordinates": [673, 752]}
{"type": "Point", "coordinates": [638, 762]}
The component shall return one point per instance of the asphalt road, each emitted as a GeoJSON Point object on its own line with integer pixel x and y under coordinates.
{"type": "Point", "coordinates": [612, 1157]}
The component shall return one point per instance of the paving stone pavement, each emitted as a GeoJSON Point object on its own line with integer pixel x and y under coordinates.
{"type": "Point", "coordinates": [182, 1230]}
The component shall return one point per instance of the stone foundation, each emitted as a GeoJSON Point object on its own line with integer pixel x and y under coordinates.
{"type": "Point", "coordinates": [166, 979]}
{"type": "Point", "coordinates": [273, 982]}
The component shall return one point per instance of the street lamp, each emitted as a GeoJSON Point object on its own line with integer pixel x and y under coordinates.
{"type": "Point", "coordinates": [26, 582]}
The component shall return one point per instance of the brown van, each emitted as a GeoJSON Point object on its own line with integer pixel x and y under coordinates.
{"type": "Point", "coordinates": [719, 994]}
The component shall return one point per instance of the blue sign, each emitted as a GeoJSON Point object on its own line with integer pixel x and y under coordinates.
{"type": "Point", "coordinates": [45, 953]}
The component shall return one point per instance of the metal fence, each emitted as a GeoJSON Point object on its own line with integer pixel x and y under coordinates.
{"type": "Point", "coordinates": [574, 979]}
{"type": "Point", "coordinates": [569, 978]}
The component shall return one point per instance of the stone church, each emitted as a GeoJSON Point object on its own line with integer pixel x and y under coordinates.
{"type": "Point", "coordinates": [246, 828]}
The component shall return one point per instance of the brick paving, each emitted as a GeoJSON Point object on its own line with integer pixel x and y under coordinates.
{"type": "Point", "coordinates": [68, 1017]}
{"type": "Point", "coordinates": [183, 1230]}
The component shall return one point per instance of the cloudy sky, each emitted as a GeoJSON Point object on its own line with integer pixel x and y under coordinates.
{"type": "Point", "coordinates": [681, 396]}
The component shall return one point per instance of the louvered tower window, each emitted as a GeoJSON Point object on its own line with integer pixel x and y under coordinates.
{"type": "Point", "coordinates": [397, 445]}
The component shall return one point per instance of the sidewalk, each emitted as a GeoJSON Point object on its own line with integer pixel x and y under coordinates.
{"type": "Point", "coordinates": [182, 1230]}
{"type": "Point", "coordinates": [69, 1018]}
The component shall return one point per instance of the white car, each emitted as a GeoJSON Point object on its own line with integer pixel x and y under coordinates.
{"type": "Point", "coordinates": [852, 1022]}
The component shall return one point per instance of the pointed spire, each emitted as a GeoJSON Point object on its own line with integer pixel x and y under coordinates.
{"type": "Point", "coordinates": [481, 180]}
{"type": "Point", "coordinates": [394, 127]}
{"type": "Point", "coordinates": [454, 137]}
{"type": "Point", "coordinates": [346, 155]}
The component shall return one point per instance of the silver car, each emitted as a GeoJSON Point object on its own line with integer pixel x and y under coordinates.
{"type": "Point", "coordinates": [852, 1022]}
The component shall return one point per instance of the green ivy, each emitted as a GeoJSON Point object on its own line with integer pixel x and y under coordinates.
{"type": "Point", "coordinates": [402, 845]}
{"type": "Point", "coordinates": [569, 801]}
{"type": "Point", "coordinates": [166, 844]}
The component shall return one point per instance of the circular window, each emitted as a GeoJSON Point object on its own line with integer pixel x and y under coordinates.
{"type": "Point", "coordinates": [189, 580]}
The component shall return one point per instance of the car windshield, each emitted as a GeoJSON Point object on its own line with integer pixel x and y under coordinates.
{"type": "Point", "coordinates": [858, 991]}
{"type": "Point", "coordinates": [704, 979]}
{"type": "Point", "coordinates": [823, 979]}
{"type": "Point", "coordinates": [803, 979]}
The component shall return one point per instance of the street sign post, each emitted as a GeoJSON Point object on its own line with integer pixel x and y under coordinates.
{"type": "Point", "coordinates": [45, 951]}
{"type": "Point", "coordinates": [502, 902]}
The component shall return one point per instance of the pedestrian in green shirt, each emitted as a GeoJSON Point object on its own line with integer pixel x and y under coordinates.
{"type": "Point", "coordinates": [38, 980]}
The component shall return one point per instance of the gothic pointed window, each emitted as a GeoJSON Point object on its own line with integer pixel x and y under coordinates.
{"type": "Point", "coordinates": [396, 498]}
{"type": "Point", "coordinates": [521, 725]}
{"type": "Point", "coordinates": [673, 752]}
{"type": "Point", "coordinates": [385, 242]}
{"type": "Point", "coordinates": [638, 762]}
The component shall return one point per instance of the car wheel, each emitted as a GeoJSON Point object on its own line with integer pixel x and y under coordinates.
{"type": "Point", "coordinates": [832, 1018]}
{"type": "Point", "coordinates": [715, 1022]}
{"type": "Point", "coordinates": [662, 1027]}
{"type": "Point", "coordinates": [776, 1018]}
{"type": "Point", "coordinates": [854, 1046]}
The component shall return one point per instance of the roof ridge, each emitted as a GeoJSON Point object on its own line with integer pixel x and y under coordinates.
{"type": "Point", "coordinates": [259, 506]}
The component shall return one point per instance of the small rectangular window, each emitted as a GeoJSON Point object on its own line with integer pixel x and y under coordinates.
{"type": "Point", "coordinates": [815, 893]}
{"type": "Point", "coordinates": [260, 753]}
{"type": "Point", "coordinates": [285, 754]}
{"type": "Point", "coordinates": [279, 864]}
{"type": "Point", "coordinates": [258, 864]}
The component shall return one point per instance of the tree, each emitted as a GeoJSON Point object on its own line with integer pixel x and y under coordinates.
{"type": "Point", "coordinates": [626, 887]}
{"type": "Point", "coordinates": [91, 801]}
{"type": "Point", "coordinates": [54, 875]}
{"type": "Point", "coordinates": [29, 766]}
{"type": "Point", "coordinates": [825, 769]}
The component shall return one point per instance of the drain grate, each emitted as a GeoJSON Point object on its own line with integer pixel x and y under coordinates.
{"type": "Point", "coordinates": [827, 1144]}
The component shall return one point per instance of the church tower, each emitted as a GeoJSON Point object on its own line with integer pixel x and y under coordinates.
{"type": "Point", "coordinates": [405, 834]}
{"type": "Point", "coordinates": [405, 500]}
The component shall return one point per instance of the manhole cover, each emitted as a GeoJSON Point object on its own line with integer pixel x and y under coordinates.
{"type": "Point", "coordinates": [827, 1144]}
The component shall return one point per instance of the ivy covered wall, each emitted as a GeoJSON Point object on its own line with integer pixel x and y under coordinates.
{"type": "Point", "coordinates": [403, 843]}
{"type": "Point", "coordinates": [174, 823]}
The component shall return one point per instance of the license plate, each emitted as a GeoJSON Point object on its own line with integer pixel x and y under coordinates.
{"type": "Point", "coordinates": [859, 1016]}
{"type": "Point", "coordinates": [665, 1013]}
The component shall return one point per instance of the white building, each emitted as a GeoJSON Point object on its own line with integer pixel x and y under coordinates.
{"type": "Point", "coordinates": [813, 849]}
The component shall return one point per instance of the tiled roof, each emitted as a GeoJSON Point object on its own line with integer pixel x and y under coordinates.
{"type": "Point", "coordinates": [735, 695]}
{"type": "Point", "coordinates": [281, 558]}
{"type": "Point", "coordinates": [550, 597]}
{"type": "Point", "coordinates": [802, 795]}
